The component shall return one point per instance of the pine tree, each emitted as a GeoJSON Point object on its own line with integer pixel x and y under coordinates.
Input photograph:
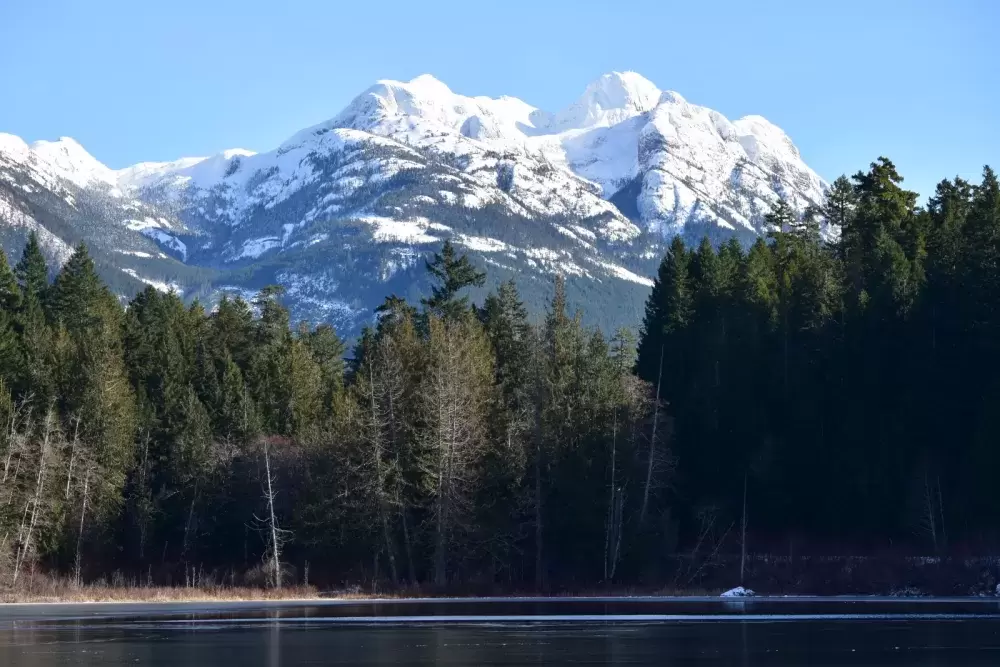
{"type": "Point", "coordinates": [37, 362]}
{"type": "Point", "coordinates": [882, 244]}
{"type": "Point", "coordinates": [506, 321]}
{"type": "Point", "coordinates": [782, 218]}
{"type": "Point", "coordinates": [668, 312]}
{"type": "Point", "coordinates": [841, 201]}
{"type": "Point", "coordinates": [502, 495]}
{"type": "Point", "coordinates": [327, 350]}
{"type": "Point", "coordinates": [268, 373]}
{"type": "Point", "coordinates": [308, 392]}
{"type": "Point", "coordinates": [74, 292]}
{"type": "Point", "coordinates": [33, 273]}
{"type": "Point", "coordinates": [10, 293]}
{"type": "Point", "coordinates": [10, 344]}
{"type": "Point", "coordinates": [237, 419]}
{"type": "Point", "coordinates": [452, 274]}
{"type": "Point", "coordinates": [232, 330]}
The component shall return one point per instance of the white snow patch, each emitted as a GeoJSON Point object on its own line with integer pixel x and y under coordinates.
{"type": "Point", "coordinates": [145, 223]}
{"type": "Point", "coordinates": [541, 253]}
{"type": "Point", "coordinates": [165, 239]}
{"type": "Point", "coordinates": [15, 217]}
{"type": "Point", "coordinates": [316, 291]}
{"type": "Point", "coordinates": [413, 230]}
{"type": "Point", "coordinates": [738, 592]}
{"type": "Point", "coordinates": [162, 286]}
{"type": "Point", "coordinates": [253, 248]}
{"type": "Point", "coordinates": [481, 243]}
{"type": "Point", "coordinates": [624, 274]}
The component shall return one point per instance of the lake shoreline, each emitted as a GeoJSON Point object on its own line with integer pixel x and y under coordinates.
{"type": "Point", "coordinates": [768, 575]}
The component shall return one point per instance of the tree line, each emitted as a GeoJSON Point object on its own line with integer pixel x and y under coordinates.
{"type": "Point", "coordinates": [825, 393]}
{"type": "Point", "coordinates": [460, 444]}
{"type": "Point", "coordinates": [849, 389]}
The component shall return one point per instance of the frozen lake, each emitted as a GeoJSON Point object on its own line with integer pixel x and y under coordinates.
{"type": "Point", "coordinates": [594, 631]}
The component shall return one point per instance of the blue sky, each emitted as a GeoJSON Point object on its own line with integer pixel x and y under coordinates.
{"type": "Point", "coordinates": [915, 80]}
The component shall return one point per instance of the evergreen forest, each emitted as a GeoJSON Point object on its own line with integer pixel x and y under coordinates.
{"type": "Point", "coordinates": [810, 394]}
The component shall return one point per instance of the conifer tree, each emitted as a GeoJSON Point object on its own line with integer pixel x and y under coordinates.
{"type": "Point", "coordinates": [668, 311]}
{"type": "Point", "coordinates": [10, 294]}
{"type": "Point", "coordinates": [32, 273]}
{"type": "Point", "coordinates": [452, 273]}
{"type": "Point", "coordinates": [75, 292]}
{"type": "Point", "coordinates": [502, 495]}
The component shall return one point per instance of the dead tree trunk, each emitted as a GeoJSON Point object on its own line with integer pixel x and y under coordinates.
{"type": "Point", "coordinates": [743, 537]}
{"type": "Point", "coordinates": [539, 531]}
{"type": "Point", "coordinates": [190, 522]}
{"type": "Point", "coordinates": [652, 445]}
{"type": "Point", "coordinates": [78, 566]}
{"type": "Point", "coordinates": [612, 526]}
{"type": "Point", "coordinates": [440, 545]}
{"type": "Point", "coordinates": [36, 500]}
{"type": "Point", "coordinates": [72, 457]}
{"type": "Point", "coordinates": [275, 543]}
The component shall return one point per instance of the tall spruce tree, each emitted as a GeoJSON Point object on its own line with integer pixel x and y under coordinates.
{"type": "Point", "coordinates": [452, 273]}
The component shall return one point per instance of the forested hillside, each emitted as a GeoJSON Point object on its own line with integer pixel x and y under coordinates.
{"type": "Point", "coordinates": [836, 396]}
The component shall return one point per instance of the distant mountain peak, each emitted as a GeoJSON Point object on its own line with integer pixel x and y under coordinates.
{"type": "Point", "coordinates": [610, 99]}
{"type": "Point", "coordinates": [342, 211]}
{"type": "Point", "coordinates": [230, 153]}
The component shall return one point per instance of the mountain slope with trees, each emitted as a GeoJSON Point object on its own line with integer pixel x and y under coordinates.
{"type": "Point", "coordinates": [346, 211]}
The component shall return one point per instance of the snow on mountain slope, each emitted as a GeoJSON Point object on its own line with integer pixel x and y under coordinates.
{"type": "Point", "coordinates": [611, 99]}
{"type": "Point", "coordinates": [345, 208]}
{"type": "Point", "coordinates": [688, 167]}
{"type": "Point", "coordinates": [147, 173]}
{"type": "Point", "coordinates": [54, 161]}
{"type": "Point", "coordinates": [697, 166]}
{"type": "Point", "coordinates": [18, 220]}
{"type": "Point", "coordinates": [672, 166]}
{"type": "Point", "coordinates": [60, 192]}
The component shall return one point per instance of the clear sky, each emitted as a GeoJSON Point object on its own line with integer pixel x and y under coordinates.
{"type": "Point", "coordinates": [916, 80]}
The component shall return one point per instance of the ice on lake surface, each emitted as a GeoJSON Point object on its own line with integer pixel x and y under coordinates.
{"type": "Point", "coordinates": [596, 631]}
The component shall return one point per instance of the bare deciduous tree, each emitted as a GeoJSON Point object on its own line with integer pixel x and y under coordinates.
{"type": "Point", "coordinates": [454, 395]}
{"type": "Point", "coordinates": [35, 506]}
{"type": "Point", "coordinates": [276, 536]}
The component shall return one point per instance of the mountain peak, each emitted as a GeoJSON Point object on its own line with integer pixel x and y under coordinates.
{"type": "Point", "coordinates": [623, 89]}
{"type": "Point", "coordinates": [609, 99]}
{"type": "Point", "coordinates": [426, 81]}
{"type": "Point", "coordinates": [67, 159]}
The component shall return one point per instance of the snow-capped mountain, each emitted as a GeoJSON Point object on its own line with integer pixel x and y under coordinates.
{"type": "Point", "coordinates": [61, 192]}
{"type": "Point", "coordinates": [342, 212]}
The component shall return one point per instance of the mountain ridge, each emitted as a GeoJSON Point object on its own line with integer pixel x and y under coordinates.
{"type": "Point", "coordinates": [342, 210]}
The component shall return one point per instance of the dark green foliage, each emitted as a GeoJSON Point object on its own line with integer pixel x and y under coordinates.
{"type": "Point", "coordinates": [850, 388]}
{"type": "Point", "coordinates": [837, 379]}
{"type": "Point", "coordinates": [451, 274]}
{"type": "Point", "coordinates": [32, 271]}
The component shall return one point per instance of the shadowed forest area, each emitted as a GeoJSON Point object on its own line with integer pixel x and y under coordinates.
{"type": "Point", "coordinates": [794, 398]}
